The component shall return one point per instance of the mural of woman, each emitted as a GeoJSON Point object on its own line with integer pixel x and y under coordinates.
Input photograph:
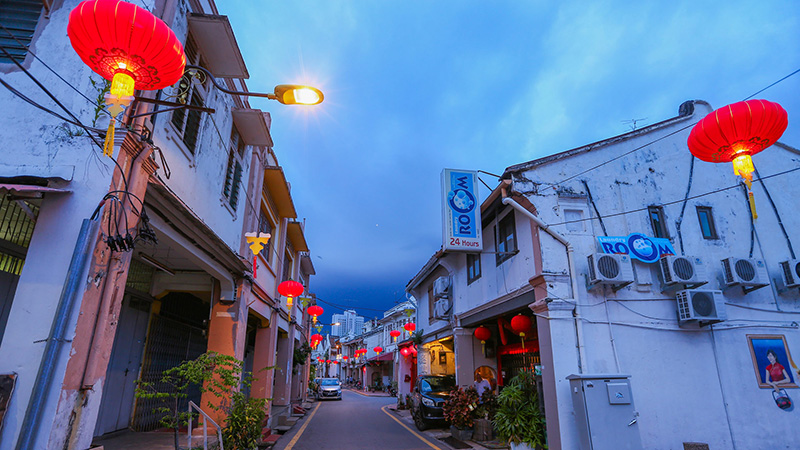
{"type": "Point", "coordinates": [775, 373]}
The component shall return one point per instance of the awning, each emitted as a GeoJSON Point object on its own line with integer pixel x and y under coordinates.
{"type": "Point", "coordinates": [388, 356]}
{"type": "Point", "coordinates": [519, 302]}
{"type": "Point", "coordinates": [252, 126]}
{"type": "Point", "coordinates": [29, 190]}
{"type": "Point", "coordinates": [306, 265]}
{"type": "Point", "coordinates": [221, 53]}
{"type": "Point", "coordinates": [277, 188]}
{"type": "Point", "coordinates": [296, 237]}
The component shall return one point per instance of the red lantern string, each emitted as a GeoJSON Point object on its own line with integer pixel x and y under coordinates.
{"type": "Point", "coordinates": [483, 334]}
{"type": "Point", "coordinates": [521, 324]}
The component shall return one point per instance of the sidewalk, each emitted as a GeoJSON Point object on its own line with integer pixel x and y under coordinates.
{"type": "Point", "coordinates": [437, 434]}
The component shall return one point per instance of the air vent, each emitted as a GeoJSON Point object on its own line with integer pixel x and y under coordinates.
{"type": "Point", "coordinates": [700, 305]}
{"type": "Point", "coordinates": [790, 272]}
{"type": "Point", "coordinates": [683, 270]}
{"type": "Point", "coordinates": [611, 269]}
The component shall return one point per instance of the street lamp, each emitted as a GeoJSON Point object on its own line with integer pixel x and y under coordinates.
{"type": "Point", "coordinates": [287, 94]}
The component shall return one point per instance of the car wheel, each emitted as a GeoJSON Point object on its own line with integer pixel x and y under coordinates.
{"type": "Point", "coordinates": [419, 422]}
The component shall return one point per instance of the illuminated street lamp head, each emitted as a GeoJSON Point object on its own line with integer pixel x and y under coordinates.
{"type": "Point", "coordinates": [294, 94]}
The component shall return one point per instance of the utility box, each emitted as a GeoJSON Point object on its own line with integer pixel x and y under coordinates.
{"type": "Point", "coordinates": [604, 412]}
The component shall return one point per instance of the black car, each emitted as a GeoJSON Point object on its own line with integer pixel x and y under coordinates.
{"type": "Point", "coordinates": [428, 397]}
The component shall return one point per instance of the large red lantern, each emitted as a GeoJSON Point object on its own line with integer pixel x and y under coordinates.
{"type": "Point", "coordinates": [521, 324]}
{"type": "Point", "coordinates": [290, 289]}
{"type": "Point", "coordinates": [410, 327]}
{"type": "Point", "coordinates": [483, 334]}
{"type": "Point", "coordinates": [735, 132]}
{"type": "Point", "coordinates": [315, 311]}
{"type": "Point", "coordinates": [378, 349]}
{"type": "Point", "coordinates": [128, 46]}
{"type": "Point", "coordinates": [394, 334]}
{"type": "Point", "coordinates": [405, 351]}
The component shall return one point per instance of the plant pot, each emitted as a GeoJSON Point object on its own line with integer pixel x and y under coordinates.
{"type": "Point", "coordinates": [462, 434]}
{"type": "Point", "coordinates": [483, 430]}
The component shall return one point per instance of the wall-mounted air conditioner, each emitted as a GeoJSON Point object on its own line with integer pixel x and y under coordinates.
{"type": "Point", "coordinates": [441, 287]}
{"type": "Point", "coordinates": [683, 270]}
{"type": "Point", "coordinates": [790, 272]}
{"type": "Point", "coordinates": [751, 274]}
{"type": "Point", "coordinates": [610, 269]}
{"type": "Point", "coordinates": [701, 305]}
{"type": "Point", "coordinates": [442, 309]}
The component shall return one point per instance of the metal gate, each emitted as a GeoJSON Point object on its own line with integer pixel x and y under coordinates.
{"type": "Point", "coordinates": [169, 343]}
{"type": "Point", "coordinates": [17, 220]}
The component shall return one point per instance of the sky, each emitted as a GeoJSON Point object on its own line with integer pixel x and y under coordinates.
{"type": "Point", "coordinates": [413, 87]}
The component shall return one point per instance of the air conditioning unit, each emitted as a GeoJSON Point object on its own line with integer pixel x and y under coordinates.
{"type": "Point", "coordinates": [701, 305]}
{"type": "Point", "coordinates": [610, 269]}
{"type": "Point", "coordinates": [790, 272]}
{"type": "Point", "coordinates": [683, 270]}
{"type": "Point", "coordinates": [440, 287]}
{"type": "Point", "coordinates": [442, 308]}
{"type": "Point", "coordinates": [745, 272]}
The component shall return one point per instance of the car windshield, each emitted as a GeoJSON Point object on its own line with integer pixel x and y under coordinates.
{"type": "Point", "coordinates": [438, 384]}
{"type": "Point", "coordinates": [329, 383]}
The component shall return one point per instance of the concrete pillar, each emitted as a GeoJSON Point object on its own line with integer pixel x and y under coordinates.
{"type": "Point", "coordinates": [264, 356]}
{"type": "Point", "coordinates": [464, 359]}
{"type": "Point", "coordinates": [227, 335]}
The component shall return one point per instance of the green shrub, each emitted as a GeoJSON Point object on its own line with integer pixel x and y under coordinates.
{"type": "Point", "coordinates": [518, 418]}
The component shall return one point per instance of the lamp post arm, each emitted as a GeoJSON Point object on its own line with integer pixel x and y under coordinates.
{"type": "Point", "coordinates": [228, 91]}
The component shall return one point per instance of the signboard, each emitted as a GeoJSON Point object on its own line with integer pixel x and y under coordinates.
{"type": "Point", "coordinates": [461, 211]}
{"type": "Point", "coordinates": [645, 249]}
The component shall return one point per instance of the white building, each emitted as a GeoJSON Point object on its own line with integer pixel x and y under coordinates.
{"type": "Point", "coordinates": [694, 381]}
{"type": "Point", "coordinates": [349, 323]}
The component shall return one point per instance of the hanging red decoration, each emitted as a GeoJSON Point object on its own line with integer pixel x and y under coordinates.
{"type": "Point", "coordinates": [290, 289]}
{"type": "Point", "coordinates": [344, 358]}
{"type": "Point", "coordinates": [405, 351]}
{"type": "Point", "coordinates": [483, 334]}
{"type": "Point", "coordinates": [328, 361]}
{"type": "Point", "coordinates": [737, 131]}
{"type": "Point", "coordinates": [521, 324]}
{"type": "Point", "coordinates": [128, 46]}
{"type": "Point", "coordinates": [315, 311]}
{"type": "Point", "coordinates": [410, 327]}
{"type": "Point", "coordinates": [394, 334]}
{"type": "Point", "coordinates": [378, 349]}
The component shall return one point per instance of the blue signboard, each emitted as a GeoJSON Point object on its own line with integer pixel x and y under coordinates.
{"type": "Point", "coordinates": [461, 211]}
{"type": "Point", "coordinates": [639, 246]}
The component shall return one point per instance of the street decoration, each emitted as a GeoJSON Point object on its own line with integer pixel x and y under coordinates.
{"type": "Point", "coordinates": [521, 325]}
{"type": "Point", "coordinates": [410, 327]}
{"type": "Point", "coordinates": [128, 46]}
{"type": "Point", "coordinates": [290, 289]}
{"type": "Point", "coordinates": [315, 339]}
{"type": "Point", "coordinates": [737, 131]}
{"type": "Point", "coordinates": [483, 334]}
{"type": "Point", "coordinates": [394, 334]}
{"type": "Point", "coordinates": [315, 311]}
{"type": "Point", "coordinates": [378, 349]}
{"type": "Point", "coordinates": [257, 243]}
{"type": "Point", "coordinates": [405, 351]}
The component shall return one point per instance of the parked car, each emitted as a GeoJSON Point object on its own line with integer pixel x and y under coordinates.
{"type": "Point", "coordinates": [329, 388]}
{"type": "Point", "coordinates": [428, 397]}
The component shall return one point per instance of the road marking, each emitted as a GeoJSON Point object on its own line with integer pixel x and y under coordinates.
{"type": "Point", "coordinates": [407, 428]}
{"type": "Point", "coordinates": [303, 428]}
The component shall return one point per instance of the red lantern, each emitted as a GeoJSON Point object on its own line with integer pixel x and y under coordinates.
{"type": "Point", "coordinates": [737, 131]}
{"type": "Point", "coordinates": [378, 349]}
{"type": "Point", "coordinates": [315, 311]}
{"type": "Point", "coordinates": [128, 46]}
{"type": "Point", "coordinates": [521, 324]}
{"type": "Point", "coordinates": [394, 334]}
{"type": "Point", "coordinates": [410, 327]}
{"type": "Point", "coordinates": [290, 289]}
{"type": "Point", "coordinates": [405, 351]}
{"type": "Point", "coordinates": [483, 334]}
{"type": "Point", "coordinates": [344, 358]}
{"type": "Point", "coordinates": [328, 361]}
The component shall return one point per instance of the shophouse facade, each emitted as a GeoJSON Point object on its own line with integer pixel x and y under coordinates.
{"type": "Point", "coordinates": [81, 323]}
{"type": "Point", "coordinates": [699, 380]}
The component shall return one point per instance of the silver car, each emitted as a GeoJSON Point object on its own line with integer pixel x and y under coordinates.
{"type": "Point", "coordinates": [329, 388]}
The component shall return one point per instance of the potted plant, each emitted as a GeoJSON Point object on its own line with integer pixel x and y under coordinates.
{"type": "Point", "coordinates": [484, 414]}
{"type": "Point", "coordinates": [518, 419]}
{"type": "Point", "coordinates": [459, 410]}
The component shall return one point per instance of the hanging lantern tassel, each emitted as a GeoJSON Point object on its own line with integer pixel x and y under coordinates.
{"type": "Point", "coordinates": [108, 145]}
{"type": "Point", "coordinates": [752, 201]}
{"type": "Point", "coordinates": [522, 336]}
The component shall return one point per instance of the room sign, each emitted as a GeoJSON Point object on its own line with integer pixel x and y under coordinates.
{"type": "Point", "coordinates": [638, 246]}
{"type": "Point", "coordinates": [461, 212]}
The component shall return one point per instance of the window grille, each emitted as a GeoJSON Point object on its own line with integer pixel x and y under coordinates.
{"type": "Point", "coordinates": [20, 18]}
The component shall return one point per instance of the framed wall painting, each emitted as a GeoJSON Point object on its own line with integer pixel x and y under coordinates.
{"type": "Point", "coordinates": [772, 361]}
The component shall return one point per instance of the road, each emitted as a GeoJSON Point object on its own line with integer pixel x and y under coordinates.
{"type": "Point", "coordinates": [356, 422]}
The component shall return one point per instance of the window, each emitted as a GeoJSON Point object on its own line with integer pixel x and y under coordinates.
{"type": "Point", "coordinates": [505, 238]}
{"type": "Point", "coordinates": [233, 173]}
{"type": "Point", "coordinates": [287, 267]}
{"type": "Point", "coordinates": [707, 222]}
{"type": "Point", "coordinates": [20, 17]}
{"type": "Point", "coordinates": [574, 219]}
{"type": "Point", "coordinates": [657, 221]}
{"type": "Point", "coordinates": [265, 226]}
{"type": "Point", "coordinates": [430, 304]}
{"type": "Point", "coordinates": [473, 267]}
{"type": "Point", "coordinates": [187, 121]}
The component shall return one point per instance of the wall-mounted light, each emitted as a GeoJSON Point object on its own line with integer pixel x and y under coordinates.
{"type": "Point", "coordinates": [149, 260]}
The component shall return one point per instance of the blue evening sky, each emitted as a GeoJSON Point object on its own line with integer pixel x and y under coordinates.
{"type": "Point", "coordinates": [412, 87]}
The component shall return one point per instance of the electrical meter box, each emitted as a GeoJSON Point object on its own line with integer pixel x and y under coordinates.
{"type": "Point", "coordinates": [604, 412]}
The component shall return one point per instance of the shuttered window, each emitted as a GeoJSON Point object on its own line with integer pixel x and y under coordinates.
{"type": "Point", "coordinates": [19, 19]}
{"type": "Point", "coordinates": [233, 178]}
{"type": "Point", "coordinates": [186, 121]}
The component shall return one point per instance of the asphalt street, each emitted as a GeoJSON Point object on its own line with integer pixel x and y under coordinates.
{"type": "Point", "coordinates": [356, 422]}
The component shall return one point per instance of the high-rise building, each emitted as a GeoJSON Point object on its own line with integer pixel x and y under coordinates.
{"type": "Point", "coordinates": [348, 323]}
